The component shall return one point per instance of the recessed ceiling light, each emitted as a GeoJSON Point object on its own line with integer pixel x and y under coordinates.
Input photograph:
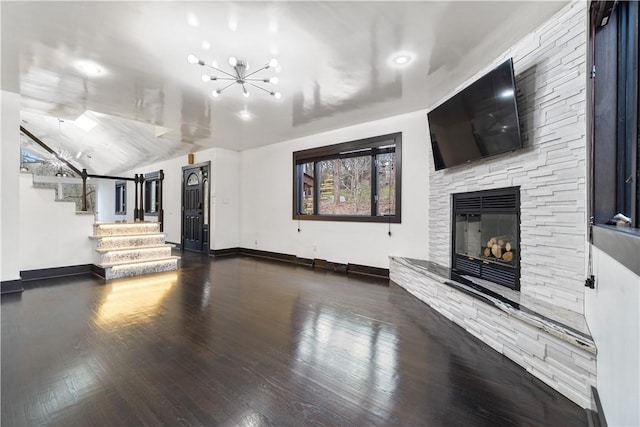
{"type": "Point", "coordinates": [233, 23]}
{"type": "Point", "coordinates": [84, 122]}
{"type": "Point", "coordinates": [192, 20]}
{"type": "Point", "coordinates": [401, 59]}
{"type": "Point", "coordinates": [245, 115]}
{"type": "Point", "coordinates": [89, 68]}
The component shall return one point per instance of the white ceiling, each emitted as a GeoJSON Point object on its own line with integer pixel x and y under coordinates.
{"type": "Point", "coordinates": [334, 60]}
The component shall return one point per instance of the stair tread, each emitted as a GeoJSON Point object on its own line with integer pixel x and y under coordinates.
{"type": "Point", "coordinates": [128, 248]}
{"type": "Point", "coordinates": [128, 235]}
{"type": "Point", "coordinates": [137, 261]}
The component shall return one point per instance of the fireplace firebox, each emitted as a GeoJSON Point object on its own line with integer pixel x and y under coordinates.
{"type": "Point", "coordinates": [486, 236]}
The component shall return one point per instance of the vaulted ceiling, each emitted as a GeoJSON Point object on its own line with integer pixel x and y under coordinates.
{"type": "Point", "coordinates": [123, 66]}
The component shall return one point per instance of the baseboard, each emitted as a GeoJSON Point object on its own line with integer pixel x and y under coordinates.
{"type": "Point", "coordinates": [224, 252]}
{"type": "Point", "coordinates": [98, 271]}
{"type": "Point", "coordinates": [307, 262]}
{"type": "Point", "coordinates": [11, 286]}
{"type": "Point", "coordinates": [268, 255]}
{"type": "Point", "coordinates": [323, 264]}
{"type": "Point", "coordinates": [367, 270]}
{"type": "Point", "coordinates": [177, 245]}
{"type": "Point", "coordinates": [50, 273]}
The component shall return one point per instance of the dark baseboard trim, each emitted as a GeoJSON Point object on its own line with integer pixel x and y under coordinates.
{"type": "Point", "coordinates": [268, 255]}
{"type": "Point", "coordinates": [98, 271]}
{"type": "Point", "coordinates": [50, 273]}
{"type": "Point", "coordinates": [177, 245]}
{"type": "Point", "coordinates": [224, 252]}
{"type": "Point", "coordinates": [306, 262]}
{"type": "Point", "coordinates": [329, 265]}
{"type": "Point", "coordinates": [368, 271]}
{"type": "Point", "coordinates": [11, 286]}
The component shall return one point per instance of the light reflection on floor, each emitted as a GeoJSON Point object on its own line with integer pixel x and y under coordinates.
{"type": "Point", "coordinates": [134, 298]}
{"type": "Point", "coordinates": [371, 362]}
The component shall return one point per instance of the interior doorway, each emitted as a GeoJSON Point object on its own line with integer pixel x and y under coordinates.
{"type": "Point", "coordinates": [195, 207]}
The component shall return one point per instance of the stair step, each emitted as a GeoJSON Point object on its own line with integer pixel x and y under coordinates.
{"type": "Point", "coordinates": [124, 228]}
{"type": "Point", "coordinates": [129, 248]}
{"type": "Point", "coordinates": [96, 237]}
{"type": "Point", "coordinates": [117, 242]}
{"type": "Point", "coordinates": [135, 254]}
{"type": "Point", "coordinates": [136, 262]}
{"type": "Point", "coordinates": [141, 268]}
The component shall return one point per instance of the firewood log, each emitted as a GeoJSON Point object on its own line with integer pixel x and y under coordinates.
{"type": "Point", "coordinates": [508, 256]}
{"type": "Point", "coordinates": [491, 242]}
{"type": "Point", "coordinates": [486, 252]}
{"type": "Point", "coordinates": [496, 250]}
{"type": "Point", "coordinates": [501, 243]}
{"type": "Point", "coordinates": [507, 246]}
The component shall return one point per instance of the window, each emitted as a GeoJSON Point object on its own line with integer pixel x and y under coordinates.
{"type": "Point", "coordinates": [151, 193]}
{"type": "Point", "coordinates": [352, 181]}
{"type": "Point", "coordinates": [121, 198]}
{"type": "Point", "coordinates": [614, 110]}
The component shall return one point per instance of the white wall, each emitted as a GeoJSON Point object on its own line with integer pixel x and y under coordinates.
{"type": "Point", "coordinates": [51, 233]}
{"type": "Point", "coordinates": [612, 312]}
{"type": "Point", "coordinates": [266, 189]}
{"type": "Point", "coordinates": [105, 199]}
{"type": "Point", "coordinates": [225, 199]}
{"type": "Point", "coordinates": [224, 196]}
{"type": "Point", "coordinates": [9, 177]}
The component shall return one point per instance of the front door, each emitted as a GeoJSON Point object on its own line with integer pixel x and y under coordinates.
{"type": "Point", "coordinates": [195, 207]}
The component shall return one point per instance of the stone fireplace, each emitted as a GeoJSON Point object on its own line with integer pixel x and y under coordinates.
{"type": "Point", "coordinates": [486, 236]}
{"type": "Point", "coordinates": [528, 306]}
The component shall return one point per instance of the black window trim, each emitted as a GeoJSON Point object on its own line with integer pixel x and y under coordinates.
{"type": "Point", "coordinates": [152, 176]}
{"type": "Point", "coordinates": [607, 132]}
{"type": "Point", "coordinates": [121, 184]}
{"type": "Point", "coordinates": [357, 148]}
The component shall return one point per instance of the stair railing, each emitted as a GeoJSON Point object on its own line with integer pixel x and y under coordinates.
{"type": "Point", "coordinates": [138, 212]}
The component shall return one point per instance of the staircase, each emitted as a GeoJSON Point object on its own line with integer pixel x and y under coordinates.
{"type": "Point", "coordinates": [126, 249]}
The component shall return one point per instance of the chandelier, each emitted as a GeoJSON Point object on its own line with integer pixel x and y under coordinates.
{"type": "Point", "coordinates": [238, 76]}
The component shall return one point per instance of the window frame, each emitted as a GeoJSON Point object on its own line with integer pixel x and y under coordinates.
{"type": "Point", "coordinates": [374, 145]}
{"type": "Point", "coordinates": [121, 185]}
{"type": "Point", "coordinates": [148, 179]}
{"type": "Point", "coordinates": [614, 117]}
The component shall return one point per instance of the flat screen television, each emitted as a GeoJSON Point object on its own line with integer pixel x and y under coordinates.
{"type": "Point", "coordinates": [477, 122]}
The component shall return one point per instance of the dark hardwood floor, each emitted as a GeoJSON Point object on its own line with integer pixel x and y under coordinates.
{"type": "Point", "coordinates": [244, 342]}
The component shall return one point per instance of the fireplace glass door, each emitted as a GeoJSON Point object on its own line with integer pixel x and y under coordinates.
{"type": "Point", "coordinates": [486, 235]}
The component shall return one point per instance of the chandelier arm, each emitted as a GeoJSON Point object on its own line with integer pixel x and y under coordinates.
{"type": "Point", "coordinates": [261, 88]}
{"type": "Point", "coordinates": [257, 80]}
{"type": "Point", "coordinates": [227, 86]}
{"type": "Point", "coordinates": [221, 71]}
{"type": "Point", "coordinates": [226, 78]}
{"type": "Point", "coordinates": [256, 71]}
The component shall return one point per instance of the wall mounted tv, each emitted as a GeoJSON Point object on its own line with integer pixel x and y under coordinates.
{"type": "Point", "coordinates": [479, 121]}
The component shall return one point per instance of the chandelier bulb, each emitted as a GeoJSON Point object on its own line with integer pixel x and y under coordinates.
{"type": "Point", "coordinates": [245, 93]}
{"type": "Point", "coordinates": [273, 63]}
{"type": "Point", "coordinates": [274, 80]}
{"type": "Point", "coordinates": [206, 78]}
{"type": "Point", "coordinates": [215, 93]}
{"type": "Point", "coordinates": [233, 61]}
{"type": "Point", "coordinates": [195, 60]}
{"type": "Point", "coordinates": [277, 95]}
